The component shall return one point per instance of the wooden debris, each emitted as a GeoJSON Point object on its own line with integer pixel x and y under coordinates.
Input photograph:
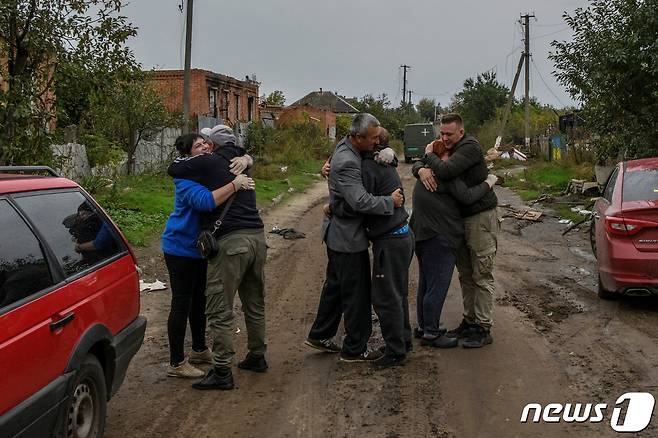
{"type": "Point", "coordinates": [528, 215]}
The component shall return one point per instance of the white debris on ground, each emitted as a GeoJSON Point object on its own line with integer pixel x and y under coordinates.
{"type": "Point", "coordinates": [150, 287]}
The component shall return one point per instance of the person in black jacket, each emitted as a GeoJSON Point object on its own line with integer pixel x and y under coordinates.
{"type": "Point", "coordinates": [392, 249]}
{"type": "Point", "coordinates": [439, 229]}
{"type": "Point", "coordinates": [238, 267]}
{"type": "Point", "coordinates": [475, 259]}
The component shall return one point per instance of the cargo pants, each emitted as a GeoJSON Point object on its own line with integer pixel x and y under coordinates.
{"type": "Point", "coordinates": [239, 267]}
{"type": "Point", "coordinates": [475, 263]}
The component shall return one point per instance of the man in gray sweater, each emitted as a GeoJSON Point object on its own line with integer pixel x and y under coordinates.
{"type": "Point", "coordinates": [346, 290]}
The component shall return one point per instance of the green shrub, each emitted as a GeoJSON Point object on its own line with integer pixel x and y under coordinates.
{"type": "Point", "coordinates": [100, 150]}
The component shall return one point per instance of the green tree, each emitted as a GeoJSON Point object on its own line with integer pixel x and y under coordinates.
{"type": "Point", "coordinates": [427, 109]}
{"type": "Point", "coordinates": [275, 98]}
{"type": "Point", "coordinates": [128, 113]}
{"type": "Point", "coordinates": [36, 37]}
{"type": "Point", "coordinates": [478, 100]}
{"type": "Point", "coordinates": [610, 66]}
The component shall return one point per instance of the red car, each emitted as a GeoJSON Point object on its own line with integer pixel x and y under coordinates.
{"type": "Point", "coordinates": [69, 307]}
{"type": "Point", "coordinates": [625, 230]}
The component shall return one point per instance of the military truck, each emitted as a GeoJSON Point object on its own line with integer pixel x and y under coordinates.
{"type": "Point", "coordinates": [416, 137]}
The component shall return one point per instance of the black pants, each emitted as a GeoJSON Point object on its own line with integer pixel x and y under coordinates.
{"type": "Point", "coordinates": [390, 290]}
{"type": "Point", "coordinates": [187, 277]}
{"type": "Point", "coordinates": [346, 291]}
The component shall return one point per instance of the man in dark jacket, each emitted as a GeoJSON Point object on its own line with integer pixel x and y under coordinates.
{"type": "Point", "coordinates": [475, 259]}
{"type": "Point", "coordinates": [238, 267]}
{"type": "Point", "coordinates": [392, 249]}
{"type": "Point", "coordinates": [347, 283]}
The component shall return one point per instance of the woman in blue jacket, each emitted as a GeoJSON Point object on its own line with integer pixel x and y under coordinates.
{"type": "Point", "coordinates": [187, 269]}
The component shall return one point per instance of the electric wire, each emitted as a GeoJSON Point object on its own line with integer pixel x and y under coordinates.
{"type": "Point", "coordinates": [545, 84]}
{"type": "Point", "coordinates": [550, 33]}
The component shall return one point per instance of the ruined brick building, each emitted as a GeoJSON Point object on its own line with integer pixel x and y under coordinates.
{"type": "Point", "coordinates": [211, 95]}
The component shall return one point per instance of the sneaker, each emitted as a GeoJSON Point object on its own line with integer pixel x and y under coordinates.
{"type": "Point", "coordinates": [204, 356]}
{"type": "Point", "coordinates": [326, 345]}
{"type": "Point", "coordinates": [442, 341]}
{"type": "Point", "coordinates": [479, 338]}
{"type": "Point", "coordinates": [253, 363]}
{"type": "Point", "coordinates": [216, 378]}
{"type": "Point", "coordinates": [463, 331]}
{"type": "Point", "coordinates": [388, 361]}
{"type": "Point", "coordinates": [366, 356]}
{"type": "Point", "coordinates": [185, 370]}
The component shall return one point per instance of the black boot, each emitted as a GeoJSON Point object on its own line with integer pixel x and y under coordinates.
{"type": "Point", "coordinates": [480, 337]}
{"type": "Point", "coordinates": [253, 363]}
{"type": "Point", "coordinates": [463, 331]}
{"type": "Point", "coordinates": [216, 378]}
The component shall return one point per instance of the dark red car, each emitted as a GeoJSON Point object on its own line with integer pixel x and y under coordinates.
{"type": "Point", "coordinates": [625, 230]}
{"type": "Point", "coordinates": [69, 308]}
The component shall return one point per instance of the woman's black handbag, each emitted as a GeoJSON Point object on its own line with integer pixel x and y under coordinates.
{"type": "Point", "coordinates": [207, 243]}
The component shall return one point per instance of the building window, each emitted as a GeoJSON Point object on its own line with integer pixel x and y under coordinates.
{"type": "Point", "coordinates": [250, 108]}
{"type": "Point", "coordinates": [212, 99]}
{"type": "Point", "coordinates": [225, 103]}
{"type": "Point", "coordinates": [237, 107]}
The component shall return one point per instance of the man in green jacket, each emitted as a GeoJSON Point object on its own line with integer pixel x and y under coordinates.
{"type": "Point", "coordinates": [475, 259]}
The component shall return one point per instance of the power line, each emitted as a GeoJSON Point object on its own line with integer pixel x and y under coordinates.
{"type": "Point", "coordinates": [549, 25]}
{"type": "Point", "coordinates": [545, 84]}
{"type": "Point", "coordinates": [551, 33]}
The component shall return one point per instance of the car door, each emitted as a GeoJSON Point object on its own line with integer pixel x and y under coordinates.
{"type": "Point", "coordinates": [604, 207]}
{"type": "Point", "coordinates": [28, 305]}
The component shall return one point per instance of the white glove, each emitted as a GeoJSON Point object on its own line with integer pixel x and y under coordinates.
{"type": "Point", "coordinates": [239, 164]}
{"type": "Point", "coordinates": [243, 182]}
{"type": "Point", "coordinates": [385, 156]}
{"type": "Point", "coordinates": [491, 180]}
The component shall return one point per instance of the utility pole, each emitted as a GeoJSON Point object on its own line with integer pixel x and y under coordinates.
{"type": "Point", "coordinates": [186, 75]}
{"type": "Point", "coordinates": [510, 99]}
{"type": "Point", "coordinates": [526, 54]}
{"type": "Point", "coordinates": [404, 82]}
{"type": "Point", "coordinates": [410, 92]}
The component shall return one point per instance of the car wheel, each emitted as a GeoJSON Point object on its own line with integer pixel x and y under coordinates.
{"type": "Point", "coordinates": [87, 403]}
{"type": "Point", "coordinates": [604, 294]}
{"type": "Point", "coordinates": [592, 237]}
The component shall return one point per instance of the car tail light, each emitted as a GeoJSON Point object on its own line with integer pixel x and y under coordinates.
{"type": "Point", "coordinates": [620, 226]}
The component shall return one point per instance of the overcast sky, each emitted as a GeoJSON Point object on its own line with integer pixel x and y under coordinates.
{"type": "Point", "coordinates": [356, 47]}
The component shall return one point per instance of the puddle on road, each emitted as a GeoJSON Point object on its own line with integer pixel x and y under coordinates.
{"type": "Point", "coordinates": [582, 253]}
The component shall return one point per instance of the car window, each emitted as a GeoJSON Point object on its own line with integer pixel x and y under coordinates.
{"type": "Point", "coordinates": [79, 236]}
{"type": "Point", "coordinates": [610, 187]}
{"type": "Point", "coordinates": [641, 185]}
{"type": "Point", "coordinates": [23, 267]}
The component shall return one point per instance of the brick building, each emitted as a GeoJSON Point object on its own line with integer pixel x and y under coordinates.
{"type": "Point", "coordinates": [211, 95]}
{"type": "Point", "coordinates": [323, 118]}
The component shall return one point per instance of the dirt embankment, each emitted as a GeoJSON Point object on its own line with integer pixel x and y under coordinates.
{"type": "Point", "coordinates": [555, 341]}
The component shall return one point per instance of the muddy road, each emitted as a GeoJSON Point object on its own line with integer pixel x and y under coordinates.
{"type": "Point", "coordinates": [554, 341]}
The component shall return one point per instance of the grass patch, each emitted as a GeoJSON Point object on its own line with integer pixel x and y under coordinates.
{"type": "Point", "coordinates": [551, 178]}
{"type": "Point", "coordinates": [564, 211]}
{"type": "Point", "coordinates": [141, 204]}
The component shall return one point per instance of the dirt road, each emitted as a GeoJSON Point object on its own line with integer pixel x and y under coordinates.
{"type": "Point", "coordinates": [554, 341]}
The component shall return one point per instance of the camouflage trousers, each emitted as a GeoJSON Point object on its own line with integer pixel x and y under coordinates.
{"type": "Point", "coordinates": [475, 263]}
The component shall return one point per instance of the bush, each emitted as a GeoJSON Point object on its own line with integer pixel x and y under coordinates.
{"type": "Point", "coordinates": [101, 151]}
{"type": "Point", "coordinates": [298, 147]}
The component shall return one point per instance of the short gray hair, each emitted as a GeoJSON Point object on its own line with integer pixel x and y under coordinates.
{"type": "Point", "coordinates": [361, 123]}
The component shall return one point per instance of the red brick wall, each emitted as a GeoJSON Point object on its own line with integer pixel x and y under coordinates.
{"type": "Point", "coordinates": [326, 119]}
{"type": "Point", "coordinates": [169, 84]}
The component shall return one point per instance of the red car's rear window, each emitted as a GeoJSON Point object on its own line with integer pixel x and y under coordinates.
{"type": "Point", "coordinates": [640, 185]}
